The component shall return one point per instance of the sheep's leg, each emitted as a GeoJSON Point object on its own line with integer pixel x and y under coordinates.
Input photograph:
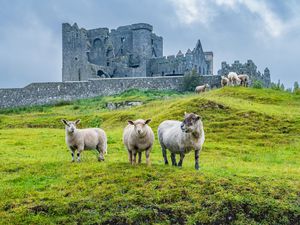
{"type": "Point", "coordinates": [164, 152]}
{"type": "Point", "coordinates": [148, 156]}
{"type": "Point", "coordinates": [140, 157]}
{"type": "Point", "coordinates": [78, 154]}
{"type": "Point", "coordinates": [173, 158]}
{"type": "Point", "coordinates": [134, 158]}
{"type": "Point", "coordinates": [130, 156]}
{"type": "Point", "coordinates": [197, 159]}
{"type": "Point", "coordinates": [101, 155]}
{"type": "Point", "coordinates": [181, 159]}
{"type": "Point", "coordinates": [72, 153]}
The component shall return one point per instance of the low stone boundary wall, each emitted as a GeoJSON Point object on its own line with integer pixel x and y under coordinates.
{"type": "Point", "coordinates": [51, 92]}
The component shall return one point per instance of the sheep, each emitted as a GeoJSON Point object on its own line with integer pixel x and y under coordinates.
{"type": "Point", "coordinates": [233, 79]}
{"type": "Point", "coordinates": [85, 139]}
{"type": "Point", "coordinates": [244, 79]}
{"type": "Point", "coordinates": [201, 88]}
{"type": "Point", "coordinates": [138, 137]}
{"type": "Point", "coordinates": [224, 81]}
{"type": "Point", "coordinates": [181, 138]}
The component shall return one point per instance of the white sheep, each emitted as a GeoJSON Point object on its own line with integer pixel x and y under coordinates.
{"type": "Point", "coordinates": [244, 79]}
{"type": "Point", "coordinates": [224, 81]}
{"type": "Point", "coordinates": [233, 79]}
{"type": "Point", "coordinates": [181, 138]}
{"type": "Point", "coordinates": [85, 139]}
{"type": "Point", "coordinates": [138, 137]}
{"type": "Point", "coordinates": [201, 88]}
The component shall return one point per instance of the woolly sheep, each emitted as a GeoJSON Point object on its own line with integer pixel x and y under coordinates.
{"type": "Point", "coordinates": [224, 81]}
{"type": "Point", "coordinates": [85, 139]}
{"type": "Point", "coordinates": [233, 78]}
{"type": "Point", "coordinates": [138, 137]}
{"type": "Point", "coordinates": [181, 138]}
{"type": "Point", "coordinates": [201, 88]}
{"type": "Point", "coordinates": [244, 79]}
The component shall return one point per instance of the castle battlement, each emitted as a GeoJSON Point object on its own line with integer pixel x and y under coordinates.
{"type": "Point", "coordinates": [246, 68]}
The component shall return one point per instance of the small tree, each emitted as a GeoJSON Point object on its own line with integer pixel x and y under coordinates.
{"type": "Point", "coordinates": [282, 87]}
{"type": "Point", "coordinates": [296, 86]}
{"type": "Point", "coordinates": [191, 80]}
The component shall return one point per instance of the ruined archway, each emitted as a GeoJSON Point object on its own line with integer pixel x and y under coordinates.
{"type": "Point", "coordinates": [100, 73]}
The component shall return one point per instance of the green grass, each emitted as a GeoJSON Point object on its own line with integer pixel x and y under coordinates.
{"type": "Point", "coordinates": [250, 167]}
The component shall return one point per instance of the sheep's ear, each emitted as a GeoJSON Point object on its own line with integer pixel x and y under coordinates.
{"type": "Point", "coordinates": [77, 122]}
{"type": "Point", "coordinates": [65, 122]}
{"type": "Point", "coordinates": [185, 113]}
{"type": "Point", "coordinates": [147, 121]}
{"type": "Point", "coordinates": [130, 122]}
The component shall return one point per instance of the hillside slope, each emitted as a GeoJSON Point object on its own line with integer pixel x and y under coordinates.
{"type": "Point", "coordinates": [250, 168]}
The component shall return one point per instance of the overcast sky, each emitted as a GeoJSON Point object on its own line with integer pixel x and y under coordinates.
{"type": "Point", "coordinates": [266, 31]}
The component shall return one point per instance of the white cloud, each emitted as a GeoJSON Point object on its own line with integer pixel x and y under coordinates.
{"type": "Point", "coordinates": [204, 11]}
{"type": "Point", "coordinates": [272, 24]}
{"type": "Point", "coordinates": [193, 11]}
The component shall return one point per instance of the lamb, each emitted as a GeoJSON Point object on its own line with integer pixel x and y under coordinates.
{"type": "Point", "coordinates": [233, 79]}
{"type": "Point", "coordinates": [224, 81]}
{"type": "Point", "coordinates": [138, 137]}
{"type": "Point", "coordinates": [201, 88]}
{"type": "Point", "coordinates": [181, 138]}
{"type": "Point", "coordinates": [85, 139]}
{"type": "Point", "coordinates": [244, 79]}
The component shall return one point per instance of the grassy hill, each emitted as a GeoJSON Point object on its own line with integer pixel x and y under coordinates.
{"type": "Point", "coordinates": [250, 167]}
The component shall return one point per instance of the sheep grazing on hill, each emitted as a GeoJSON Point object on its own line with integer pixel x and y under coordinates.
{"type": "Point", "coordinates": [138, 137]}
{"type": "Point", "coordinates": [244, 79]}
{"type": "Point", "coordinates": [85, 139]}
{"type": "Point", "coordinates": [202, 88]}
{"type": "Point", "coordinates": [181, 138]}
{"type": "Point", "coordinates": [233, 79]}
{"type": "Point", "coordinates": [224, 81]}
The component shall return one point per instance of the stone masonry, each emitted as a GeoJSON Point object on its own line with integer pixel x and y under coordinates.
{"type": "Point", "coordinates": [51, 92]}
{"type": "Point", "coordinates": [128, 51]}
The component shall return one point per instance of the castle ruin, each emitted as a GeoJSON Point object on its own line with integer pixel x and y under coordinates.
{"type": "Point", "coordinates": [128, 51]}
{"type": "Point", "coordinates": [248, 68]}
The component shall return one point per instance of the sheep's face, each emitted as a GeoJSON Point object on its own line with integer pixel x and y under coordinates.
{"type": "Point", "coordinates": [70, 125]}
{"type": "Point", "coordinates": [190, 123]}
{"type": "Point", "coordinates": [140, 126]}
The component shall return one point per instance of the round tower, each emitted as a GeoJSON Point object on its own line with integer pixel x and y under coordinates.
{"type": "Point", "coordinates": [142, 44]}
{"type": "Point", "coordinates": [141, 37]}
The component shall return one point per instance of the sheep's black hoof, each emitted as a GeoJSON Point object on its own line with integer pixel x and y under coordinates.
{"type": "Point", "coordinates": [166, 163]}
{"type": "Point", "coordinates": [99, 160]}
{"type": "Point", "coordinates": [197, 167]}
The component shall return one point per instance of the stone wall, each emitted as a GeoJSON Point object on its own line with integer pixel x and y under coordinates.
{"type": "Point", "coordinates": [51, 92]}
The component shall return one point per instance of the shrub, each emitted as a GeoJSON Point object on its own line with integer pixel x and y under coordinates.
{"type": "Point", "coordinates": [190, 80]}
{"type": "Point", "coordinates": [257, 84]}
{"type": "Point", "coordinates": [62, 103]}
